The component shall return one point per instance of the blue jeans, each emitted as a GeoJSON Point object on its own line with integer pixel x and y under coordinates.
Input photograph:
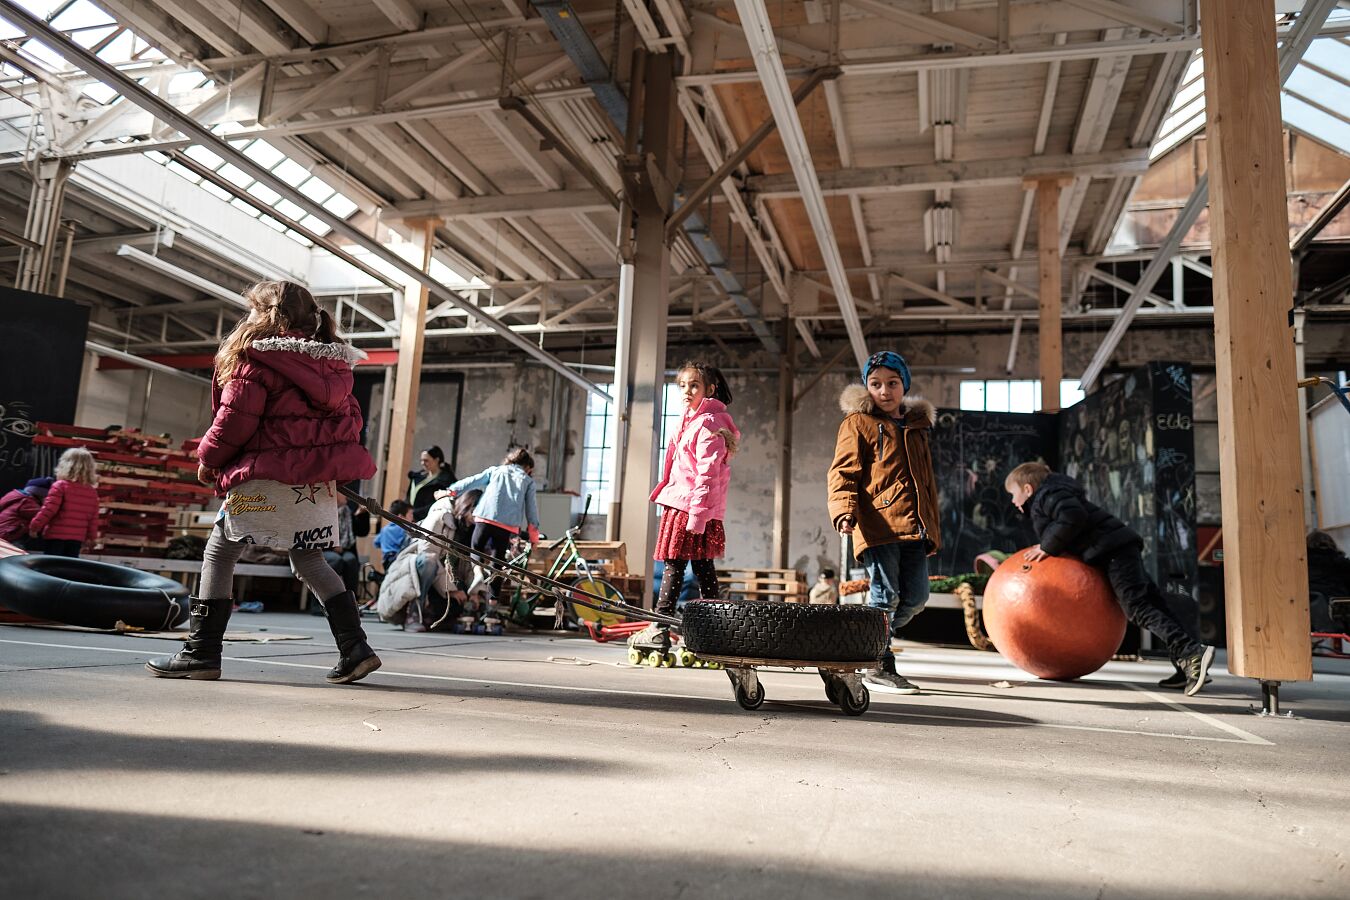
{"type": "Point", "coordinates": [899, 576]}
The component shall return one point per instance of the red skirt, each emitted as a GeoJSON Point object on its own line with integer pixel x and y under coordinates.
{"type": "Point", "coordinates": [674, 540]}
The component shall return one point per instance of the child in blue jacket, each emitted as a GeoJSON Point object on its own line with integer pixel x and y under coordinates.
{"type": "Point", "coordinates": [507, 506]}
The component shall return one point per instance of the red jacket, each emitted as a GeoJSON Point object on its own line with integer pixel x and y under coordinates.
{"type": "Point", "coordinates": [287, 415]}
{"type": "Point", "coordinates": [70, 513]}
{"type": "Point", "coordinates": [17, 509]}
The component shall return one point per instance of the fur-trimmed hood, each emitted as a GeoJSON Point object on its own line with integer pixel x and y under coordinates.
{"type": "Point", "coordinates": [338, 350]}
{"type": "Point", "coordinates": [322, 371]}
{"type": "Point", "coordinates": [919, 413]}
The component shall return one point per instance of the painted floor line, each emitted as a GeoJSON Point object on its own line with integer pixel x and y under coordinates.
{"type": "Point", "coordinates": [1247, 736]}
{"type": "Point", "coordinates": [661, 695]}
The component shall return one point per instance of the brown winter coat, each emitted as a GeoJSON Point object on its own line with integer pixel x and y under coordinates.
{"type": "Point", "coordinates": [867, 479]}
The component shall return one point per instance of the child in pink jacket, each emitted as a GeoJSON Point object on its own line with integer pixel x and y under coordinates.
{"type": "Point", "coordinates": [69, 515]}
{"type": "Point", "coordinates": [692, 495]}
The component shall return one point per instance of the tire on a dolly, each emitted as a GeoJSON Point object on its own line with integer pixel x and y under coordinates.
{"type": "Point", "coordinates": [798, 631]}
{"type": "Point", "coordinates": [89, 593]}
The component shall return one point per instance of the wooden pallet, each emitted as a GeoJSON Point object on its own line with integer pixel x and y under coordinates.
{"type": "Point", "coordinates": [765, 584]}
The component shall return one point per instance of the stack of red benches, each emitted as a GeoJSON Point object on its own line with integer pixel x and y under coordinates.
{"type": "Point", "coordinates": [143, 483]}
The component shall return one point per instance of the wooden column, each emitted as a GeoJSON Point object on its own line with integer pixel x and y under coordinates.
{"type": "Point", "coordinates": [782, 493]}
{"type": "Point", "coordinates": [408, 378]}
{"type": "Point", "coordinates": [1265, 566]}
{"type": "Point", "coordinates": [1049, 330]}
{"type": "Point", "coordinates": [647, 336]}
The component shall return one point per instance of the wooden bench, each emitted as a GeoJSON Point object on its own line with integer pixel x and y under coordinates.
{"type": "Point", "coordinates": [193, 567]}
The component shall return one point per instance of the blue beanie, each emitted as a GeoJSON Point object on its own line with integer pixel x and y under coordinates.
{"type": "Point", "coordinates": [888, 359]}
{"type": "Point", "coordinates": [39, 484]}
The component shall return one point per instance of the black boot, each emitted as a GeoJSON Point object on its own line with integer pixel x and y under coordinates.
{"type": "Point", "coordinates": [200, 656]}
{"type": "Point", "coordinates": [344, 620]}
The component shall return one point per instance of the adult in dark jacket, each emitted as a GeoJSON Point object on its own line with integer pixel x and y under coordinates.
{"type": "Point", "coordinates": [285, 431]}
{"type": "Point", "coordinates": [434, 476]}
{"type": "Point", "coordinates": [19, 506]}
{"type": "Point", "coordinates": [1070, 524]}
{"type": "Point", "coordinates": [1328, 578]}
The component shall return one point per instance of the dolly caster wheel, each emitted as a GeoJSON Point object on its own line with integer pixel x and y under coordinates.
{"type": "Point", "coordinates": [849, 705]}
{"type": "Point", "coordinates": [750, 701]}
{"type": "Point", "coordinates": [686, 659]}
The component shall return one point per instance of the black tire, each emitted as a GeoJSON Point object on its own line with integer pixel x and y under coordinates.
{"type": "Point", "coordinates": [750, 701]}
{"type": "Point", "coordinates": [797, 631]}
{"type": "Point", "coordinates": [851, 707]}
{"type": "Point", "coordinates": [89, 593]}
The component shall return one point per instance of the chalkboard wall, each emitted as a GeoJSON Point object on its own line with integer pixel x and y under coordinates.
{"type": "Point", "coordinates": [1131, 445]}
{"type": "Point", "coordinates": [972, 455]}
{"type": "Point", "coordinates": [41, 359]}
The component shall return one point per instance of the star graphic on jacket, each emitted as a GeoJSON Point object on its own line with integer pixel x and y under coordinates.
{"type": "Point", "coordinates": [306, 492]}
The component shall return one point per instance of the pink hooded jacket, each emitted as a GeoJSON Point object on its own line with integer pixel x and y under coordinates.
{"type": "Point", "coordinates": [698, 465]}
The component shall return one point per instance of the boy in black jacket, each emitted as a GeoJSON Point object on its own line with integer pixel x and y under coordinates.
{"type": "Point", "coordinates": [1068, 523]}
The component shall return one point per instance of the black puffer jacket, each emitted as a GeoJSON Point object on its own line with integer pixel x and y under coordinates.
{"type": "Point", "coordinates": [1067, 522]}
{"type": "Point", "coordinates": [1328, 572]}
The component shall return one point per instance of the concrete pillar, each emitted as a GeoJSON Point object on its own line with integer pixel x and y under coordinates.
{"type": "Point", "coordinates": [1265, 564]}
{"type": "Point", "coordinates": [647, 333]}
{"type": "Point", "coordinates": [408, 378]}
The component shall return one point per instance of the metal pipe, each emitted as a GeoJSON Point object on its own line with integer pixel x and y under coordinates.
{"type": "Point", "coordinates": [102, 350]}
{"type": "Point", "coordinates": [136, 93]}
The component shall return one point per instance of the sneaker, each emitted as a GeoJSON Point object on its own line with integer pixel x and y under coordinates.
{"type": "Point", "coordinates": [890, 683]}
{"type": "Point", "coordinates": [1196, 668]}
{"type": "Point", "coordinates": [1176, 680]}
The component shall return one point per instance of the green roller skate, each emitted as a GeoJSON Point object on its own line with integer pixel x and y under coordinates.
{"type": "Point", "coordinates": [651, 647]}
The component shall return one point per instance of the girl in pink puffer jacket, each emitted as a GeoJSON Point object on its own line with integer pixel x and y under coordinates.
{"type": "Point", "coordinates": [692, 495]}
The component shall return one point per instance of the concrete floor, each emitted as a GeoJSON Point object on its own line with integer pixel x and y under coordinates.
{"type": "Point", "coordinates": [528, 766]}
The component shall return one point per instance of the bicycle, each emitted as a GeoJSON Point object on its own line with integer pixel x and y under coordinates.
{"type": "Point", "coordinates": [526, 600]}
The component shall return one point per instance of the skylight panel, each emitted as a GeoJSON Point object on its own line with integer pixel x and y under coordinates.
{"type": "Point", "coordinates": [235, 175]}
{"type": "Point", "coordinates": [80, 14]}
{"type": "Point", "coordinates": [340, 206]}
{"type": "Point", "coordinates": [264, 154]}
{"type": "Point", "coordinates": [289, 209]}
{"type": "Point", "coordinates": [264, 193]}
{"type": "Point", "coordinates": [1316, 123]}
{"type": "Point", "coordinates": [121, 50]}
{"type": "Point", "coordinates": [291, 172]}
{"type": "Point", "coordinates": [88, 37]}
{"type": "Point", "coordinates": [204, 156]}
{"type": "Point", "coordinates": [316, 225]}
{"type": "Point", "coordinates": [316, 190]}
{"type": "Point", "coordinates": [99, 92]}
{"type": "Point", "coordinates": [217, 190]}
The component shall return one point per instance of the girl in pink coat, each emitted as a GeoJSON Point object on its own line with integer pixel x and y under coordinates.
{"type": "Point", "coordinates": [692, 495]}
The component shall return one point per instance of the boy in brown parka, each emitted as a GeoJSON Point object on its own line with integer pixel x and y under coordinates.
{"type": "Point", "coordinates": [883, 492]}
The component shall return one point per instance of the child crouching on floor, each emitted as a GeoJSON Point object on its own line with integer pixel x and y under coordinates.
{"type": "Point", "coordinates": [1067, 523]}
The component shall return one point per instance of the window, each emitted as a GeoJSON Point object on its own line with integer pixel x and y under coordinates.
{"type": "Point", "coordinates": [596, 447]}
{"type": "Point", "coordinates": [597, 444]}
{"type": "Point", "coordinates": [1013, 396]}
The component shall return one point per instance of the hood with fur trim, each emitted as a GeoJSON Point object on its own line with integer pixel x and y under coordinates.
{"type": "Point", "coordinates": [322, 371]}
{"type": "Point", "coordinates": [919, 413]}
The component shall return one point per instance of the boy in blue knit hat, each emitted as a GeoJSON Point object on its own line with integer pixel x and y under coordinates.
{"type": "Point", "coordinates": [882, 491]}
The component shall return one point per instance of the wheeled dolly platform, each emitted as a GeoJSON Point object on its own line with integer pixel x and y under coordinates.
{"type": "Point", "coordinates": [843, 680]}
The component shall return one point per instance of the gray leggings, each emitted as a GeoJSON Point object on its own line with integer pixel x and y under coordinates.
{"type": "Point", "coordinates": [222, 553]}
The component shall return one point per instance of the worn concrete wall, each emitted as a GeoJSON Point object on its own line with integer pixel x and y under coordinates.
{"type": "Point", "coordinates": [500, 405]}
{"type": "Point", "coordinates": [179, 408]}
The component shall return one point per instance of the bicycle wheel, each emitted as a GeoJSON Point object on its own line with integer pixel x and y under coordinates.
{"type": "Point", "coordinates": [600, 589]}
